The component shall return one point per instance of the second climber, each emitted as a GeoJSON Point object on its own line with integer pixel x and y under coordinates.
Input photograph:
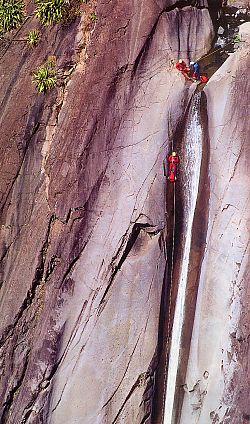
{"type": "Point", "coordinates": [173, 160]}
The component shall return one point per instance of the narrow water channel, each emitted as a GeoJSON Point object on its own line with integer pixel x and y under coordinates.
{"type": "Point", "coordinates": [190, 170]}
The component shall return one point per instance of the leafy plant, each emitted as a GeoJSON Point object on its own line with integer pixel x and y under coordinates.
{"type": "Point", "coordinates": [33, 38]}
{"type": "Point", "coordinates": [237, 38]}
{"type": "Point", "coordinates": [51, 11]}
{"type": "Point", "coordinates": [93, 17]}
{"type": "Point", "coordinates": [45, 77]}
{"type": "Point", "coordinates": [11, 14]}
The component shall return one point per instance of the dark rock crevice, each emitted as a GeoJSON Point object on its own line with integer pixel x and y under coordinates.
{"type": "Point", "coordinates": [135, 232]}
{"type": "Point", "coordinates": [40, 277]}
{"type": "Point", "coordinates": [13, 81]}
{"type": "Point", "coordinates": [132, 390]}
{"type": "Point", "coordinates": [43, 386]}
{"type": "Point", "coordinates": [147, 398]}
{"type": "Point", "coordinates": [30, 132]}
{"type": "Point", "coordinates": [80, 221]}
{"type": "Point", "coordinates": [8, 337]}
{"type": "Point", "coordinates": [12, 393]}
{"type": "Point", "coordinates": [124, 374]}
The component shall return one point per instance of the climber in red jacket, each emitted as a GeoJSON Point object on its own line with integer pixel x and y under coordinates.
{"type": "Point", "coordinates": [184, 69]}
{"type": "Point", "coordinates": [173, 160]}
{"type": "Point", "coordinates": [181, 65]}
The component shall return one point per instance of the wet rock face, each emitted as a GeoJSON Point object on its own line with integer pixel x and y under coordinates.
{"type": "Point", "coordinates": [83, 214]}
{"type": "Point", "coordinates": [217, 381]}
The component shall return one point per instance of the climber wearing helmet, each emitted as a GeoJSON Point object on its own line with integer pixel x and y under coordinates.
{"type": "Point", "coordinates": [196, 71]}
{"type": "Point", "coordinates": [184, 69]}
{"type": "Point", "coordinates": [181, 65]}
{"type": "Point", "coordinates": [192, 68]}
{"type": "Point", "coordinates": [173, 160]}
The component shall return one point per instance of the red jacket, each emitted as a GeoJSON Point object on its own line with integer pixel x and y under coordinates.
{"type": "Point", "coordinates": [181, 66]}
{"type": "Point", "coordinates": [173, 159]}
{"type": "Point", "coordinates": [172, 167]}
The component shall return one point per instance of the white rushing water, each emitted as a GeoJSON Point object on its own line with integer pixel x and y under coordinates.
{"type": "Point", "coordinates": [190, 167]}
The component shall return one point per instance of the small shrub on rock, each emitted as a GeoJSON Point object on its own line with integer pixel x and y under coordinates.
{"type": "Point", "coordinates": [45, 77]}
{"type": "Point", "coordinates": [237, 38]}
{"type": "Point", "coordinates": [33, 38]}
{"type": "Point", "coordinates": [93, 17]}
{"type": "Point", "coordinates": [11, 14]}
{"type": "Point", "coordinates": [51, 11]}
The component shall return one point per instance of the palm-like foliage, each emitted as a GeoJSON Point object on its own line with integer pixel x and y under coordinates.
{"type": "Point", "coordinates": [50, 11]}
{"type": "Point", "coordinates": [92, 17]}
{"type": "Point", "coordinates": [33, 37]}
{"type": "Point", "coordinates": [45, 77]}
{"type": "Point", "coordinates": [11, 14]}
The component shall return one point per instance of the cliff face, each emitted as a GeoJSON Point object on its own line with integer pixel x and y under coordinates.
{"type": "Point", "coordinates": [83, 218]}
{"type": "Point", "coordinates": [86, 219]}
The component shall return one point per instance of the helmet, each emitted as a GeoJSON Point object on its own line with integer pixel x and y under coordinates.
{"type": "Point", "coordinates": [191, 63]}
{"type": "Point", "coordinates": [173, 153]}
{"type": "Point", "coordinates": [180, 61]}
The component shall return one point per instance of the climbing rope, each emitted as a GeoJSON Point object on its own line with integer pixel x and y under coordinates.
{"type": "Point", "coordinates": [172, 269]}
{"type": "Point", "coordinates": [172, 259]}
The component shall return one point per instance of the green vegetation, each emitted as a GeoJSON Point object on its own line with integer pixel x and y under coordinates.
{"type": "Point", "coordinates": [11, 14]}
{"type": "Point", "coordinates": [51, 11]}
{"type": "Point", "coordinates": [237, 38]}
{"type": "Point", "coordinates": [33, 38]}
{"type": "Point", "coordinates": [93, 17]}
{"type": "Point", "coordinates": [45, 76]}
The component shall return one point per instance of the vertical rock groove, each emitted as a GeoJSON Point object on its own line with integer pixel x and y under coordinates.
{"type": "Point", "coordinates": [191, 159]}
{"type": "Point", "coordinates": [193, 127]}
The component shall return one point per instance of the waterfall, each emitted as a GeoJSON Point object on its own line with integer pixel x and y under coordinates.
{"type": "Point", "coordinates": [190, 166]}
